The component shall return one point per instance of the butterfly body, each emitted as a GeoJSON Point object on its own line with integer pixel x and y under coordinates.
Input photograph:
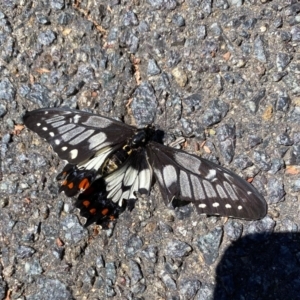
{"type": "Point", "coordinates": [123, 161]}
{"type": "Point", "coordinates": [139, 139]}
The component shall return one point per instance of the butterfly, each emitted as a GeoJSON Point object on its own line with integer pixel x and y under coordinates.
{"type": "Point", "coordinates": [110, 162]}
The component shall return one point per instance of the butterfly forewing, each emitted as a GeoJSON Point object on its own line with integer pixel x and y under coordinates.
{"type": "Point", "coordinates": [75, 135]}
{"type": "Point", "coordinates": [213, 189]}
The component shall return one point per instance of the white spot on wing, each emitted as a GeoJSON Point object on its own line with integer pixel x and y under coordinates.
{"type": "Point", "coordinates": [76, 118]}
{"type": "Point", "coordinates": [169, 175]}
{"type": "Point", "coordinates": [197, 188]}
{"type": "Point", "coordinates": [216, 204]}
{"type": "Point", "coordinates": [96, 140]}
{"type": "Point", "coordinates": [117, 197]}
{"type": "Point", "coordinates": [115, 178]}
{"type": "Point", "coordinates": [72, 133]}
{"type": "Point", "coordinates": [185, 185]}
{"type": "Point", "coordinates": [202, 205]}
{"type": "Point", "coordinates": [130, 176]}
{"type": "Point", "coordinates": [188, 161]}
{"type": "Point", "coordinates": [97, 161]}
{"type": "Point", "coordinates": [97, 121]}
{"type": "Point", "coordinates": [58, 124]}
{"type": "Point", "coordinates": [38, 124]}
{"type": "Point", "coordinates": [83, 136]}
{"type": "Point", "coordinates": [211, 174]}
{"type": "Point", "coordinates": [51, 134]}
{"type": "Point", "coordinates": [221, 192]}
{"type": "Point", "coordinates": [114, 185]}
{"type": "Point", "coordinates": [209, 189]}
{"type": "Point", "coordinates": [227, 205]}
{"type": "Point", "coordinates": [45, 128]}
{"type": "Point", "coordinates": [73, 153]}
{"type": "Point", "coordinates": [145, 179]}
{"type": "Point", "coordinates": [65, 128]}
{"type": "Point", "coordinates": [54, 119]}
{"type": "Point", "coordinates": [230, 191]}
{"type": "Point", "coordinates": [240, 207]}
{"type": "Point", "coordinates": [64, 148]}
{"type": "Point", "coordinates": [57, 142]}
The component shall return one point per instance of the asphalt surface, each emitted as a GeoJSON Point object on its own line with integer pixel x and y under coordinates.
{"type": "Point", "coordinates": [223, 74]}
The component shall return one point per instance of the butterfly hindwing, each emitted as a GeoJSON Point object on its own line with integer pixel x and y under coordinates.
{"type": "Point", "coordinates": [76, 135]}
{"type": "Point", "coordinates": [74, 180]}
{"type": "Point", "coordinates": [135, 175]}
{"type": "Point", "coordinates": [213, 189]}
{"type": "Point", "coordinates": [96, 207]}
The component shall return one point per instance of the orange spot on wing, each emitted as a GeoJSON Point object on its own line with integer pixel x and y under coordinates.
{"type": "Point", "coordinates": [86, 203]}
{"type": "Point", "coordinates": [93, 211]}
{"type": "Point", "coordinates": [112, 217]}
{"type": "Point", "coordinates": [84, 184]}
{"type": "Point", "coordinates": [65, 182]}
{"type": "Point", "coordinates": [70, 185]}
{"type": "Point", "coordinates": [104, 211]}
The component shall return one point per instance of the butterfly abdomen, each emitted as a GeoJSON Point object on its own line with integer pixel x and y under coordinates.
{"type": "Point", "coordinates": [140, 138]}
{"type": "Point", "coordinates": [116, 160]}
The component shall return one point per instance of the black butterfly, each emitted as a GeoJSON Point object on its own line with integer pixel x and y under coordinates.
{"type": "Point", "coordinates": [109, 162]}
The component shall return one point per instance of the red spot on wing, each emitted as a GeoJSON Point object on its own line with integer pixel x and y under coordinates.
{"type": "Point", "coordinates": [93, 211]}
{"type": "Point", "coordinates": [104, 211]}
{"type": "Point", "coordinates": [70, 185]}
{"type": "Point", "coordinates": [86, 203]}
{"type": "Point", "coordinates": [84, 184]}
